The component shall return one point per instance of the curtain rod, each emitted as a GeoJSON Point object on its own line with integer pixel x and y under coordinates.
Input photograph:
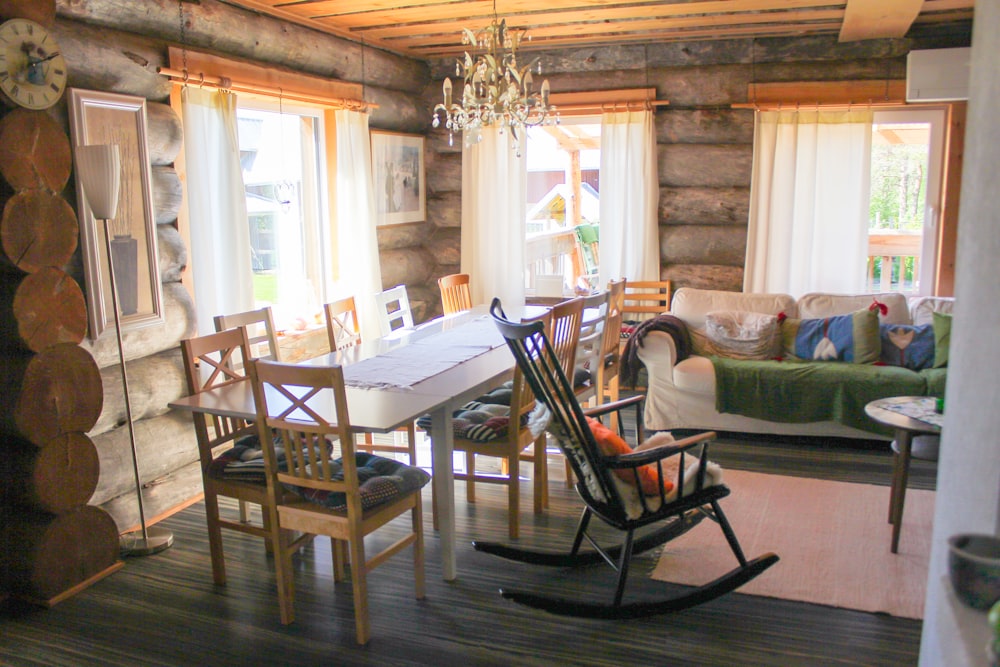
{"type": "Point", "coordinates": [818, 106]}
{"type": "Point", "coordinates": [182, 78]}
{"type": "Point", "coordinates": [585, 108]}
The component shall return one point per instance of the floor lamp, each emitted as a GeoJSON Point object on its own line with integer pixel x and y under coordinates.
{"type": "Point", "coordinates": [99, 170]}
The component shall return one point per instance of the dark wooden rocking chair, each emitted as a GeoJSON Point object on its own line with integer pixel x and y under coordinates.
{"type": "Point", "coordinates": [618, 503]}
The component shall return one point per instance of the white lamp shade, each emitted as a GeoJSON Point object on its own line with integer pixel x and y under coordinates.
{"type": "Point", "coordinates": [99, 169]}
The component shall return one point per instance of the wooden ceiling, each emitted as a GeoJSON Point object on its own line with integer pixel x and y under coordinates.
{"type": "Point", "coordinates": [430, 29]}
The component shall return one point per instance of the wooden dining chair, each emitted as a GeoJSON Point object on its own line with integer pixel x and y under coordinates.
{"type": "Point", "coordinates": [564, 333]}
{"type": "Point", "coordinates": [645, 299]}
{"type": "Point", "coordinates": [212, 361]}
{"type": "Point", "coordinates": [609, 368]}
{"type": "Point", "coordinates": [505, 438]}
{"type": "Point", "coordinates": [304, 409]}
{"type": "Point", "coordinates": [259, 325]}
{"type": "Point", "coordinates": [342, 323]}
{"type": "Point", "coordinates": [393, 310]}
{"type": "Point", "coordinates": [455, 293]}
{"type": "Point", "coordinates": [260, 329]}
{"type": "Point", "coordinates": [343, 332]}
{"type": "Point", "coordinates": [590, 343]}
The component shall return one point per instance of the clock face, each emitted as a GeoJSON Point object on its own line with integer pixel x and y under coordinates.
{"type": "Point", "coordinates": [32, 71]}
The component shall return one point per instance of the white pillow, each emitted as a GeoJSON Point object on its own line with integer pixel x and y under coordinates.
{"type": "Point", "coordinates": [742, 335]}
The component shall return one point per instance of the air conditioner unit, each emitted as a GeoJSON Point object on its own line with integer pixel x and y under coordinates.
{"type": "Point", "coordinates": [937, 75]}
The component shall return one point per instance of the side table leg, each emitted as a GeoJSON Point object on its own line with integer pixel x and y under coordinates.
{"type": "Point", "coordinates": [898, 493]}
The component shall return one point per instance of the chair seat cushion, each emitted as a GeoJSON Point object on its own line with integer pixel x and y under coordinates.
{"type": "Point", "coordinates": [380, 480]}
{"type": "Point", "coordinates": [244, 461]}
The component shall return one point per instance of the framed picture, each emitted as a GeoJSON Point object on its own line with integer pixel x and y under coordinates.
{"type": "Point", "coordinates": [110, 118]}
{"type": "Point", "coordinates": [398, 174]}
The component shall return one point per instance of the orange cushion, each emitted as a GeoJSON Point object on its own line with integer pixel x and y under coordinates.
{"type": "Point", "coordinates": [612, 444]}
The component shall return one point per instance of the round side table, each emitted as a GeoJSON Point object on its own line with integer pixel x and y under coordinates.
{"type": "Point", "coordinates": [914, 439]}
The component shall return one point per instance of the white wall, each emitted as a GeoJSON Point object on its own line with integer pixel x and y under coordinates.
{"type": "Point", "coordinates": [968, 496]}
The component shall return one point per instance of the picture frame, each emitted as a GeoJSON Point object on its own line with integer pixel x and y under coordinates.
{"type": "Point", "coordinates": [111, 118]}
{"type": "Point", "coordinates": [398, 177]}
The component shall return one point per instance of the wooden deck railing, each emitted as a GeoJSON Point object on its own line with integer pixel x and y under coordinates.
{"type": "Point", "coordinates": [892, 247]}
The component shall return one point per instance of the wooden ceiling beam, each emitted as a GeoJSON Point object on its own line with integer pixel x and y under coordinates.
{"type": "Point", "coordinates": [598, 23]}
{"type": "Point", "coordinates": [877, 19]}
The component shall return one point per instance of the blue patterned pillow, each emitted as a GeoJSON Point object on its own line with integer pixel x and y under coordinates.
{"type": "Point", "coordinates": [907, 345]}
{"type": "Point", "coordinates": [852, 338]}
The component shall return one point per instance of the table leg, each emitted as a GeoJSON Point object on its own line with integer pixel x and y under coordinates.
{"type": "Point", "coordinates": [442, 449]}
{"type": "Point", "coordinates": [900, 478]}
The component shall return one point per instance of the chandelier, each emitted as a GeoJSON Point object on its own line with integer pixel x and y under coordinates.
{"type": "Point", "coordinates": [495, 92]}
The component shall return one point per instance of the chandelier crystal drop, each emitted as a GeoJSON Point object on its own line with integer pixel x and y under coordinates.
{"type": "Point", "coordinates": [495, 90]}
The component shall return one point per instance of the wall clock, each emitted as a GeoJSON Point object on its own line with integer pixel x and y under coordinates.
{"type": "Point", "coordinates": [32, 71]}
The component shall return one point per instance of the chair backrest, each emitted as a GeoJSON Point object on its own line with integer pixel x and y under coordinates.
{"type": "Point", "coordinates": [260, 330]}
{"type": "Point", "coordinates": [211, 361]}
{"type": "Point", "coordinates": [393, 310]}
{"type": "Point", "coordinates": [616, 315]}
{"type": "Point", "coordinates": [539, 362]}
{"type": "Point", "coordinates": [646, 298]}
{"type": "Point", "coordinates": [306, 408]}
{"type": "Point", "coordinates": [564, 332]}
{"type": "Point", "coordinates": [342, 323]}
{"type": "Point", "coordinates": [590, 346]}
{"type": "Point", "coordinates": [456, 295]}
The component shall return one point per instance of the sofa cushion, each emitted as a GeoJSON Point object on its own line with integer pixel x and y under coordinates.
{"type": "Point", "coordinates": [942, 339]}
{"type": "Point", "coordinates": [922, 308]}
{"type": "Point", "coordinates": [852, 338]}
{"type": "Point", "coordinates": [818, 305]}
{"type": "Point", "coordinates": [739, 334]}
{"type": "Point", "coordinates": [695, 374]}
{"type": "Point", "coordinates": [906, 345]}
{"type": "Point", "coordinates": [692, 305]}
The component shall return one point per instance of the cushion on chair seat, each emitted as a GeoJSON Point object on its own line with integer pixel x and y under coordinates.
{"type": "Point", "coordinates": [380, 480]}
{"type": "Point", "coordinates": [483, 419]}
{"type": "Point", "coordinates": [244, 461]}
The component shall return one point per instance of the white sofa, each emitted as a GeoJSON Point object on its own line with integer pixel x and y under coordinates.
{"type": "Point", "coordinates": [683, 395]}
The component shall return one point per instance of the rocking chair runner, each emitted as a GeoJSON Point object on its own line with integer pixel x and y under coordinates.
{"type": "Point", "coordinates": [681, 501]}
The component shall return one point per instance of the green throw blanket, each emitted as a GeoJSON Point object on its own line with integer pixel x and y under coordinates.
{"type": "Point", "coordinates": [795, 392]}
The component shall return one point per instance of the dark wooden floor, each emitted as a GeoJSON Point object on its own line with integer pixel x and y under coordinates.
{"type": "Point", "coordinates": [164, 610]}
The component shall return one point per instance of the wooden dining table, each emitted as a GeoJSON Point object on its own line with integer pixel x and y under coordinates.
{"type": "Point", "coordinates": [382, 409]}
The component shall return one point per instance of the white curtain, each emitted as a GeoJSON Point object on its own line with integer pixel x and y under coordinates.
{"type": "Point", "coordinates": [494, 184]}
{"type": "Point", "coordinates": [220, 235]}
{"type": "Point", "coordinates": [630, 193]}
{"type": "Point", "coordinates": [808, 226]}
{"type": "Point", "coordinates": [357, 242]}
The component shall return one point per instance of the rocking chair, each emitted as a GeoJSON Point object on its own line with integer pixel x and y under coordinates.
{"type": "Point", "coordinates": [627, 491]}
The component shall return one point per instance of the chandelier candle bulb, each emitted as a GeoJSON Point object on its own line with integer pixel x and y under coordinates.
{"type": "Point", "coordinates": [447, 91]}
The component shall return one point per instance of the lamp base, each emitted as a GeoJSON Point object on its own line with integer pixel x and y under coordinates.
{"type": "Point", "coordinates": [155, 541]}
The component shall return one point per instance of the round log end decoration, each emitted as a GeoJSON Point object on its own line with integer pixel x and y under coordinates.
{"type": "Point", "coordinates": [34, 151]}
{"type": "Point", "coordinates": [49, 308]}
{"type": "Point", "coordinates": [55, 478]}
{"type": "Point", "coordinates": [61, 392]}
{"type": "Point", "coordinates": [38, 228]}
{"type": "Point", "coordinates": [49, 554]}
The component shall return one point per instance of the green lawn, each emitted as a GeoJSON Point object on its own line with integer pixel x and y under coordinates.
{"type": "Point", "coordinates": [265, 287]}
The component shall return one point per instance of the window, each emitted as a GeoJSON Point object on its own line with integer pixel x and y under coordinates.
{"type": "Point", "coordinates": [907, 150]}
{"type": "Point", "coordinates": [563, 204]}
{"type": "Point", "coordinates": [282, 161]}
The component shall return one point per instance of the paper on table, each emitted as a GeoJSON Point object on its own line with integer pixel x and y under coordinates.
{"type": "Point", "coordinates": [921, 409]}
